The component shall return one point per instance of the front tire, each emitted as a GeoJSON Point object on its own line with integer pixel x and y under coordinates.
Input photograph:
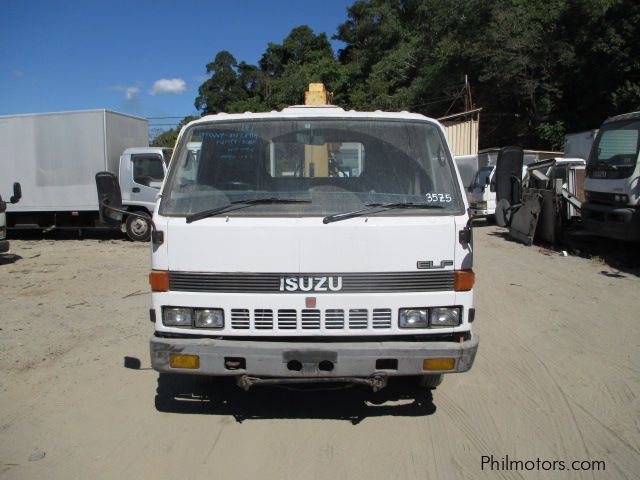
{"type": "Point", "coordinates": [138, 229]}
{"type": "Point", "coordinates": [430, 381]}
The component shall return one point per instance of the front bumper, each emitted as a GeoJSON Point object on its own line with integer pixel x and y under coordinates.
{"type": "Point", "coordinates": [479, 212]}
{"type": "Point", "coordinates": [4, 246]}
{"type": "Point", "coordinates": [620, 223]}
{"type": "Point", "coordinates": [272, 358]}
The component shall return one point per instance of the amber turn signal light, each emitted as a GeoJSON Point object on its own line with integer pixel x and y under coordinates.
{"type": "Point", "coordinates": [438, 364]}
{"type": "Point", "coordinates": [464, 280]}
{"type": "Point", "coordinates": [159, 280]}
{"type": "Point", "coordinates": [184, 361]}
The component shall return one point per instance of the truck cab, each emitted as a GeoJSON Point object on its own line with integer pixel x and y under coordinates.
{"type": "Point", "coordinates": [481, 194]}
{"type": "Point", "coordinates": [141, 173]}
{"type": "Point", "coordinates": [612, 183]}
{"type": "Point", "coordinates": [313, 244]}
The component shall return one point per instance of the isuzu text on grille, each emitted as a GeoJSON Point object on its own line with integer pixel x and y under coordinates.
{"type": "Point", "coordinates": [310, 284]}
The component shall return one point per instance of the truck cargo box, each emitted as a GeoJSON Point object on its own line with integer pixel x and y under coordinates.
{"type": "Point", "coordinates": [55, 156]}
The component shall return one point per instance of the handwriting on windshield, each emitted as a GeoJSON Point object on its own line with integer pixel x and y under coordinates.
{"type": "Point", "coordinates": [232, 145]}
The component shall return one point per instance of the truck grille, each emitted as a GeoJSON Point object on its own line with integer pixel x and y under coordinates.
{"type": "Point", "coordinates": [601, 197]}
{"type": "Point", "coordinates": [351, 282]}
{"type": "Point", "coordinates": [311, 319]}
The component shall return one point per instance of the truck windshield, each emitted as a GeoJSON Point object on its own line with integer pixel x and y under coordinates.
{"type": "Point", "coordinates": [330, 165]}
{"type": "Point", "coordinates": [482, 177]}
{"type": "Point", "coordinates": [617, 145]}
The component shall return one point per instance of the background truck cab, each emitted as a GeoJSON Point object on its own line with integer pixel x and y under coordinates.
{"type": "Point", "coordinates": [612, 184]}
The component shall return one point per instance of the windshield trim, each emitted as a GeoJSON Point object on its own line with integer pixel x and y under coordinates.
{"type": "Point", "coordinates": [185, 134]}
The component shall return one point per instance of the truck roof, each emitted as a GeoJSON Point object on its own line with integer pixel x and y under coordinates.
{"type": "Point", "coordinates": [74, 112]}
{"type": "Point", "coordinates": [624, 116]}
{"type": "Point", "coordinates": [134, 150]}
{"type": "Point", "coordinates": [314, 111]}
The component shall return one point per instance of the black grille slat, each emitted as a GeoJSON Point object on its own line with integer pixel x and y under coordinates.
{"type": "Point", "coordinates": [334, 319]}
{"type": "Point", "coordinates": [382, 318]}
{"type": "Point", "coordinates": [601, 197]}
{"type": "Point", "coordinates": [240, 319]}
{"type": "Point", "coordinates": [263, 319]}
{"type": "Point", "coordinates": [310, 319]}
{"type": "Point", "coordinates": [358, 318]}
{"type": "Point", "coordinates": [351, 282]}
{"type": "Point", "coordinates": [287, 319]}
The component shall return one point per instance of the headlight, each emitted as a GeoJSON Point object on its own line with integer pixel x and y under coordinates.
{"type": "Point", "coordinates": [444, 317]}
{"type": "Point", "coordinates": [177, 317]}
{"type": "Point", "coordinates": [620, 198]}
{"type": "Point", "coordinates": [412, 318]}
{"type": "Point", "coordinates": [209, 318]}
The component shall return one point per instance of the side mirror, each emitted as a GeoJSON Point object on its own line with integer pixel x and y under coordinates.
{"type": "Point", "coordinates": [492, 187]}
{"type": "Point", "coordinates": [109, 198]}
{"type": "Point", "coordinates": [17, 193]}
{"type": "Point", "coordinates": [487, 181]}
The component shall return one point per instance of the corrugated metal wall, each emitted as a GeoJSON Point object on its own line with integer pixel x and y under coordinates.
{"type": "Point", "coordinates": [463, 136]}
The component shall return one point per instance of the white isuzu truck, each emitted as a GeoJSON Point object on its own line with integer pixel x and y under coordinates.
{"type": "Point", "coordinates": [312, 244]}
{"type": "Point", "coordinates": [612, 184]}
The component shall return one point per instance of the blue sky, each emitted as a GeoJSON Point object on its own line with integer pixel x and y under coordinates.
{"type": "Point", "coordinates": [141, 57]}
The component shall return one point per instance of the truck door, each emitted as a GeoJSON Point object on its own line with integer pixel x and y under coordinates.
{"type": "Point", "coordinates": [508, 181]}
{"type": "Point", "coordinates": [147, 173]}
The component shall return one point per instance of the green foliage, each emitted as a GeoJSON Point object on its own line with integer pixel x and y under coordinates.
{"type": "Point", "coordinates": [552, 134]}
{"type": "Point", "coordinates": [280, 79]}
{"type": "Point", "coordinates": [538, 68]}
{"type": "Point", "coordinates": [168, 138]}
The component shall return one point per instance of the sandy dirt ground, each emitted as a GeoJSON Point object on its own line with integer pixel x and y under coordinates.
{"type": "Point", "coordinates": [557, 378]}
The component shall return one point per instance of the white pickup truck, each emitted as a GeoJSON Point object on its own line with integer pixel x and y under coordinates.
{"type": "Point", "coordinates": [312, 244]}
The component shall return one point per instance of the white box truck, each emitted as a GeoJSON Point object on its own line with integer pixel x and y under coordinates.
{"type": "Point", "coordinates": [55, 157]}
{"type": "Point", "coordinates": [612, 183]}
{"type": "Point", "coordinates": [312, 244]}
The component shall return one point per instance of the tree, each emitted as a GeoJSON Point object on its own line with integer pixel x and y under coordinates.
{"type": "Point", "coordinates": [280, 79]}
{"type": "Point", "coordinates": [538, 68]}
{"type": "Point", "coordinates": [229, 83]}
{"type": "Point", "coordinates": [168, 138]}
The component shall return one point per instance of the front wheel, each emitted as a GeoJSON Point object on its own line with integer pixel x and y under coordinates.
{"type": "Point", "coordinates": [138, 229]}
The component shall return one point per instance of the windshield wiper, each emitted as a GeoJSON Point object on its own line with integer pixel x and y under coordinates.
{"type": "Point", "coordinates": [371, 207]}
{"type": "Point", "coordinates": [240, 204]}
{"type": "Point", "coordinates": [605, 165]}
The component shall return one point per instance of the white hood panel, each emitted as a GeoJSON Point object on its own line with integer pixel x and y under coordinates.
{"type": "Point", "coordinates": [306, 245]}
